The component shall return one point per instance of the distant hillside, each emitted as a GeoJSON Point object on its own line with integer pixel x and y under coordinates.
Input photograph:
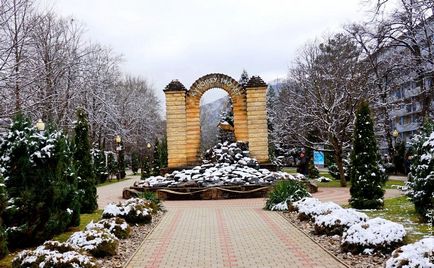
{"type": "Point", "coordinates": [276, 85]}
{"type": "Point", "coordinates": [209, 119]}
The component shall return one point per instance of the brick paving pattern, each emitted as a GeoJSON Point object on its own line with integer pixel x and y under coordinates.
{"type": "Point", "coordinates": [227, 233]}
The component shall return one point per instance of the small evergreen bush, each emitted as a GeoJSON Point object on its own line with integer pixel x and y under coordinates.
{"type": "Point", "coordinates": [83, 162]}
{"type": "Point", "coordinates": [367, 175]}
{"type": "Point", "coordinates": [286, 190]}
{"type": "Point", "coordinates": [41, 184]}
{"type": "Point", "coordinates": [98, 242]}
{"type": "Point", "coordinates": [53, 254]}
{"type": "Point", "coordinates": [334, 171]}
{"type": "Point", "coordinates": [117, 226]}
{"type": "Point", "coordinates": [134, 210]}
{"type": "Point", "coordinates": [421, 177]}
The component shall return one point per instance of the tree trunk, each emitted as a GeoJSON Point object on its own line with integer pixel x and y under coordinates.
{"type": "Point", "coordinates": [340, 163]}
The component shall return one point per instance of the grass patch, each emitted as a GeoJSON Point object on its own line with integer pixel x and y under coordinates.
{"type": "Point", "coordinates": [390, 184]}
{"type": "Point", "coordinates": [84, 220]}
{"type": "Point", "coordinates": [401, 210]}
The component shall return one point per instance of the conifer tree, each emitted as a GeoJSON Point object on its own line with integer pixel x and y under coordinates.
{"type": "Point", "coordinates": [134, 162]}
{"type": "Point", "coordinates": [83, 163]}
{"type": "Point", "coordinates": [162, 151]}
{"type": "Point", "coordinates": [3, 204]}
{"type": "Point", "coordinates": [41, 183]}
{"type": "Point", "coordinates": [244, 78]}
{"type": "Point", "coordinates": [156, 163]}
{"type": "Point", "coordinates": [421, 176]}
{"type": "Point", "coordinates": [99, 165]}
{"type": "Point", "coordinates": [111, 165]}
{"type": "Point", "coordinates": [367, 176]}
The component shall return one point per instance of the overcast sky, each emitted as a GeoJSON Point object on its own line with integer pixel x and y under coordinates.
{"type": "Point", "coordinates": [162, 40]}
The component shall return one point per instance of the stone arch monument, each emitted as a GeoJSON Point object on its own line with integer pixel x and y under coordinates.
{"type": "Point", "coordinates": [183, 117]}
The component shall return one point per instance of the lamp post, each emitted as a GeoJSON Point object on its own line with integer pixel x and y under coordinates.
{"type": "Point", "coordinates": [118, 141]}
{"type": "Point", "coordinates": [40, 125]}
{"type": "Point", "coordinates": [395, 135]}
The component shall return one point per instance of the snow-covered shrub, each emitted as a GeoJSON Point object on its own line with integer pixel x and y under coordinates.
{"type": "Point", "coordinates": [337, 221]}
{"type": "Point", "coordinates": [421, 177]}
{"type": "Point", "coordinates": [134, 210]}
{"type": "Point", "coordinates": [309, 209]}
{"type": "Point", "coordinates": [416, 255]}
{"type": "Point", "coordinates": [367, 175]}
{"type": "Point", "coordinates": [283, 191]}
{"type": "Point", "coordinates": [304, 203]}
{"type": "Point", "coordinates": [117, 226]}
{"type": "Point", "coordinates": [98, 242]}
{"type": "Point", "coordinates": [53, 254]}
{"type": "Point", "coordinates": [41, 183]}
{"type": "Point", "coordinates": [334, 171]}
{"type": "Point", "coordinates": [376, 234]}
{"type": "Point", "coordinates": [323, 179]}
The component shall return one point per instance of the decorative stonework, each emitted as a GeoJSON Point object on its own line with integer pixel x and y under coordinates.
{"type": "Point", "coordinates": [208, 81]}
{"type": "Point", "coordinates": [183, 117]}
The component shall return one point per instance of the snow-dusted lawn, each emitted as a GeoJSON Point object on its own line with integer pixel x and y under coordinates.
{"type": "Point", "coordinates": [401, 210]}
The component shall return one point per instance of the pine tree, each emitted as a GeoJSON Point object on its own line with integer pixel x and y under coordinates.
{"type": "Point", "coordinates": [162, 149]}
{"type": "Point", "coordinates": [421, 176]}
{"type": "Point", "coordinates": [244, 78]}
{"type": "Point", "coordinates": [83, 163]}
{"type": "Point", "coordinates": [111, 165]}
{"type": "Point", "coordinates": [3, 204]}
{"type": "Point", "coordinates": [367, 177]}
{"type": "Point", "coordinates": [134, 162]}
{"type": "Point", "coordinates": [156, 163]}
{"type": "Point", "coordinates": [99, 165]}
{"type": "Point", "coordinates": [41, 183]}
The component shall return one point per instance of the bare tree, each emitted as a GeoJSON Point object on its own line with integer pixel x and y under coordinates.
{"type": "Point", "coordinates": [409, 29]}
{"type": "Point", "coordinates": [327, 83]}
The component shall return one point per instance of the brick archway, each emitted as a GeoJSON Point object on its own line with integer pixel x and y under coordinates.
{"type": "Point", "coordinates": [183, 116]}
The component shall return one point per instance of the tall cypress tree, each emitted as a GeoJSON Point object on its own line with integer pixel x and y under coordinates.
{"type": "Point", "coordinates": [421, 176]}
{"type": "Point", "coordinates": [367, 176]}
{"type": "Point", "coordinates": [162, 149]}
{"type": "Point", "coordinates": [83, 163]}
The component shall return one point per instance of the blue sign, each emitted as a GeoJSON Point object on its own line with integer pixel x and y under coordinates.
{"type": "Point", "coordinates": [318, 158]}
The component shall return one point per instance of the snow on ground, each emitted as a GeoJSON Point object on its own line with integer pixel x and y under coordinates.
{"type": "Point", "coordinates": [413, 255]}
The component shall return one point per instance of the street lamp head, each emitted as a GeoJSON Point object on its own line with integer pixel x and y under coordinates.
{"type": "Point", "coordinates": [118, 139]}
{"type": "Point", "coordinates": [148, 145]}
{"type": "Point", "coordinates": [395, 133]}
{"type": "Point", "coordinates": [40, 125]}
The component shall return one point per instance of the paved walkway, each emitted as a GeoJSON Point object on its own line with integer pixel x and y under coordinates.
{"type": "Point", "coordinates": [227, 233]}
{"type": "Point", "coordinates": [113, 192]}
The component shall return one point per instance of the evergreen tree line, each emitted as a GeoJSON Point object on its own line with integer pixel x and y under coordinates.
{"type": "Point", "coordinates": [49, 179]}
